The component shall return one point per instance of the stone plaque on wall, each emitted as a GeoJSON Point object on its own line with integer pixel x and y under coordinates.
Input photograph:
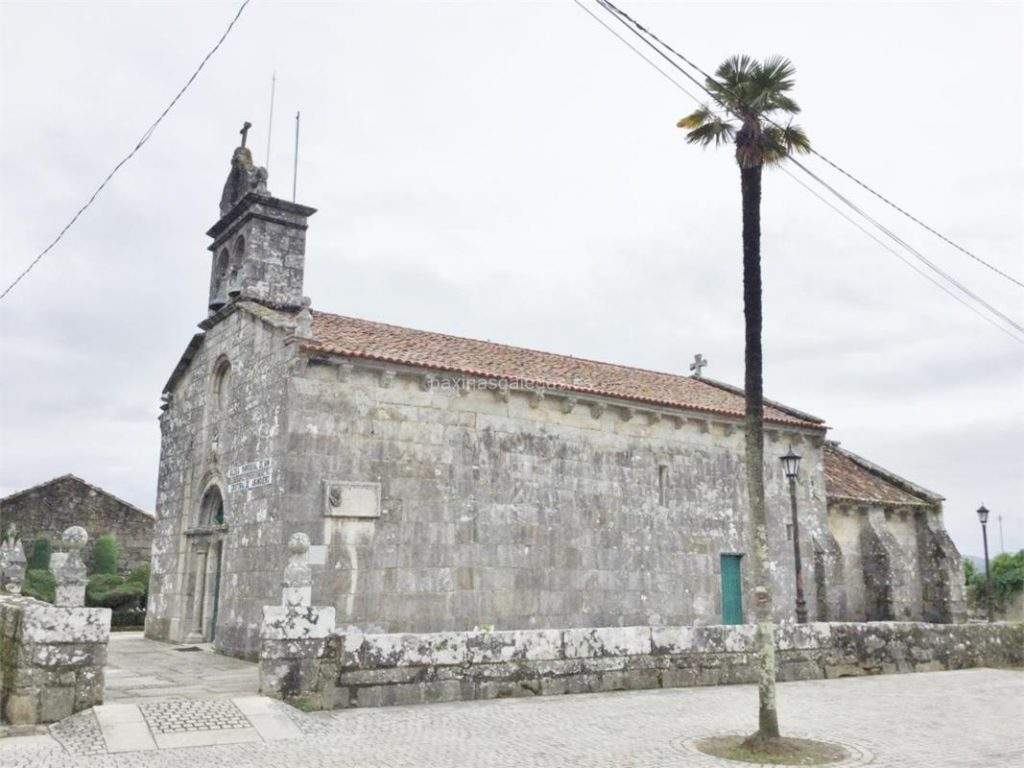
{"type": "Point", "coordinates": [346, 498]}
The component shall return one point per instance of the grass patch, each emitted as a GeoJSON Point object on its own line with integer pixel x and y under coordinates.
{"type": "Point", "coordinates": [781, 751]}
{"type": "Point", "coordinates": [303, 704]}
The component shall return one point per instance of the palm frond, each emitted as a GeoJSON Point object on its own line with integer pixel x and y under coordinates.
{"type": "Point", "coordinates": [715, 131]}
{"type": "Point", "coordinates": [782, 142]}
{"type": "Point", "coordinates": [736, 69]}
{"type": "Point", "coordinates": [782, 102]}
{"type": "Point", "coordinates": [775, 74]}
{"type": "Point", "coordinates": [697, 118]}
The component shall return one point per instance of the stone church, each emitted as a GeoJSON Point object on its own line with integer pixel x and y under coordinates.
{"type": "Point", "coordinates": [447, 483]}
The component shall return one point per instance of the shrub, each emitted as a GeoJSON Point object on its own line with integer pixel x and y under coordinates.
{"type": "Point", "coordinates": [106, 590]}
{"type": "Point", "coordinates": [1007, 572]}
{"type": "Point", "coordinates": [1007, 576]}
{"type": "Point", "coordinates": [130, 618]}
{"type": "Point", "coordinates": [104, 555]}
{"type": "Point", "coordinates": [40, 584]}
{"type": "Point", "coordinates": [39, 555]}
{"type": "Point", "coordinates": [140, 575]}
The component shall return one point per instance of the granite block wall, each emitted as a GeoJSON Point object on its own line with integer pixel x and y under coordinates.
{"type": "Point", "coordinates": [51, 659]}
{"type": "Point", "coordinates": [353, 669]}
{"type": "Point", "coordinates": [48, 509]}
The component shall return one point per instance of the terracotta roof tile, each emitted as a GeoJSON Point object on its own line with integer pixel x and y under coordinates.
{"type": "Point", "coordinates": [352, 337]}
{"type": "Point", "coordinates": [847, 479]}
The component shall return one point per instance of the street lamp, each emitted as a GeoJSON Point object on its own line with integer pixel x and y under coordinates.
{"type": "Point", "coordinates": [983, 519]}
{"type": "Point", "coordinates": [791, 465]}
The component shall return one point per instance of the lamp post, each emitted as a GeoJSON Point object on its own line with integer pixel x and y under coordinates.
{"type": "Point", "coordinates": [983, 519]}
{"type": "Point", "coordinates": [791, 464]}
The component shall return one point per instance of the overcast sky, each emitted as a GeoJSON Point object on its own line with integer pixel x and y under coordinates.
{"type": "Point", "coordinates": [510, 171]}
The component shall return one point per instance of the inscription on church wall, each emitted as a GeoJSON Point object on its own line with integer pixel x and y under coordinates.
{"type": "Point", "coordinates": [251, 482]}
{"type": "Point", "coordinates": [351, 499]}
{"type": "Point", "coordinates": [250, 467]}
{"type": "Point", "coordinates": [252, 474]}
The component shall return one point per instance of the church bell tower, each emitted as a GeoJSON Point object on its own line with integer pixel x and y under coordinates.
{"type": "Point", "coordinates": [259, 243]}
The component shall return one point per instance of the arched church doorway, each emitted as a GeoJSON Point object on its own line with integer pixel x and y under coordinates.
{"type": "Point", "coordinates": [205, 567]}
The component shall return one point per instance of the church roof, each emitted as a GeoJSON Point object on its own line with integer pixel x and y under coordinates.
{"type": "Point", "coordinates": [351, 337]}
{"type": "Point", "coordinates": [849, 477]}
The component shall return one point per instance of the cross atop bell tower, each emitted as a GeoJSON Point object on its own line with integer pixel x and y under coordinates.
{"type": "Point", "coordinates": [259, 243]}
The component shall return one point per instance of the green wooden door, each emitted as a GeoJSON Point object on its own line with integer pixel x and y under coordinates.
{"type": "Point", "coordinates": [732, 590]}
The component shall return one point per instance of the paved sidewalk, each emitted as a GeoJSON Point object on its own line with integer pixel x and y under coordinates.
{"type": "Point", "coordinates": [140, 670]}
{"type": "Point", "coordinates": [967, 719]}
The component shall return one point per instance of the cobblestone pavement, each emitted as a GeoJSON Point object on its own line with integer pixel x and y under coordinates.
{"type": "Point", "coordinates": [966, 719]}
{"type": "Point", "coordinates": [140, 670]}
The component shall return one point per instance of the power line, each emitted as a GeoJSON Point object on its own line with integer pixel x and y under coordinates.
{"type": "Point", "coordinates": [931, 265]}
{"type": "Point", "coordinates": [129, 156]}
{"type": "Point", "coordinates": [837, 210]}
{"type": "Point", "coordinates": [625, 17]}
{"type": "Point", "coordinates": [901, 257]}
{"type": "Point", "coordinates": [635, 50]}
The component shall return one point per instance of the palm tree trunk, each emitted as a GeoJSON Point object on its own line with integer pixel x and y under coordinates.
{"type": "Point", "coordinates": [750, 185]}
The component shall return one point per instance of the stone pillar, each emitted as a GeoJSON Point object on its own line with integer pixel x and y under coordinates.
{"type": "Point", "coordinates": [298, 661]}
{"type": "Point", "coordinates": [941, 571]}
{"type": "Point", "coordinates": [297, 585]}
{"type": "Point", "coordinates": [829, 578]}
{"type": "Point", "coordinates": [12, 567]}
{"type": "Point", "coordinates": [878, 552]}
{"type": "Point", "coordinates": [69, 571]}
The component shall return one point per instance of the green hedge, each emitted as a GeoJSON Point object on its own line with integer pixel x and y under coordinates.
{"type": "Point", "coordinates": [105, 590]}
{"type": "Point", "coordinates": [40, 584]}
{"type": "Point", "coordinates": [105, 553]}
{"type": "Point", "coordinates": [39, 555]}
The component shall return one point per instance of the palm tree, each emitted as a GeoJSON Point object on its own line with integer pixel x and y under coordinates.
{"type": "Point", "coordinates": [753, 98]}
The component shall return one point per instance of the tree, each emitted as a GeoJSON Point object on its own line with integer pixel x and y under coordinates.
{"type": "Point", "coordinates": [752, 95]}
{"type": "Point", "coordinates": [104, 555]}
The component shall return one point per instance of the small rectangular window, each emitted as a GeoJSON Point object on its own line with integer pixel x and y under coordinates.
{"type": "Point", "coordinates": [663, 485]}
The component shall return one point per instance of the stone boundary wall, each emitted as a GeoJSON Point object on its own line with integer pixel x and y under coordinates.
{"type": "Point", "coordinates": [51, 659]}
{"type": "Point", "coordinates": [363, 670]}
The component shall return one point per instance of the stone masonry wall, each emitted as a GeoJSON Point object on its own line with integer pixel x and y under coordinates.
{"type": "Point", "coordinates": [511, 510]}
{"type": "Point", "coordinates": [47, 510]}
{"type": "Point", "coordinates": [358, 670]}
{"type": "Point", "coordinates": [207, 442]}
{"type": "Point", "coordinates": [51, 659]}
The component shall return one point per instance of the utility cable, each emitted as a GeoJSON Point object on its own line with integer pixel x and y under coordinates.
{"type": "Point", "coordinates": [129, 156]}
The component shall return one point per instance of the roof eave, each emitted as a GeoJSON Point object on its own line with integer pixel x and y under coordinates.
{"type": "Point", "coordinates": [315, 347]}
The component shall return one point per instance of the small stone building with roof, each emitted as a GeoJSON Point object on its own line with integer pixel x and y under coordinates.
{"type": "Point", "coordinates": [898, 561]}
{"type": "Point", "coordinates": [447, 483]}
{"type": "Point", "coordinates": [48, 509]}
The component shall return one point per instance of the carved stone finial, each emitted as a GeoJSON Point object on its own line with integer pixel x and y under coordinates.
{"type": "Point", "coordinates": [74, 538]}
{"type": "Point", "coordinates": [298, 544]}
{"type": "Point", "coordinates": [244, 176]}
{"type": "Point", "coordinates": [698, 365]}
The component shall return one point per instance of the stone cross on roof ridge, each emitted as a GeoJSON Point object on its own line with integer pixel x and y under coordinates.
{"type": "Point", "coordinates": [698, 365]}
